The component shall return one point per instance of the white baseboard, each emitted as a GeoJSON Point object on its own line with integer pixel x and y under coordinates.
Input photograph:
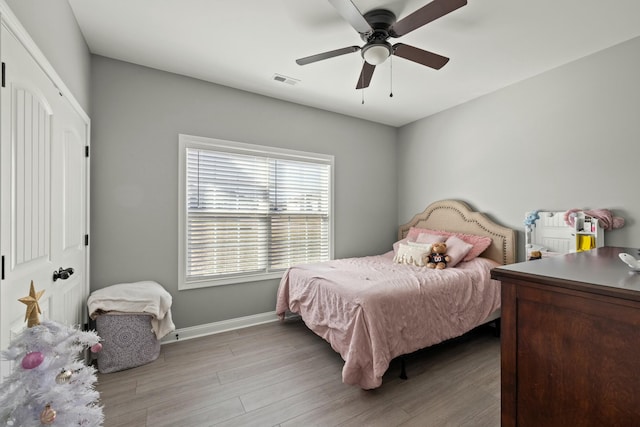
{"type": "Point", "coordinates": [218, 327]}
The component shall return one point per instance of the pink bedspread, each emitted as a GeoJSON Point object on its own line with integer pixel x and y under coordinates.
{"type": "Point", "coordinates": [372, 310]}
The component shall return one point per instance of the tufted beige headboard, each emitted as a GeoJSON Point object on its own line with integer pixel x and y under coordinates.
{"type": "Point", "coordinates": [457, 216]}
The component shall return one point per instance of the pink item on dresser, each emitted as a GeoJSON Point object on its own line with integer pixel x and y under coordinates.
{"type": "Point", "coordinates": [604, 216]}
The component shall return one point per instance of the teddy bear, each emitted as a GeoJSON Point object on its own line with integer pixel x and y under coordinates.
{"type": "Point", "coordinates": [438, 258]}
{"type": "Point", "coordinates": [535, 255]}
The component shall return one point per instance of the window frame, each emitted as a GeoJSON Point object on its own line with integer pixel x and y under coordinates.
{"type": "Point", "coordinates": [213, 144]}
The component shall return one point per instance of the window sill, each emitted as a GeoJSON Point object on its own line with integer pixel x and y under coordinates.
{"type": "Point", "coordinates": [184, 285]}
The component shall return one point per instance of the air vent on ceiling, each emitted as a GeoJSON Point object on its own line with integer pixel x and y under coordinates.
{"type": "Point", "coordinates": [284, 79]}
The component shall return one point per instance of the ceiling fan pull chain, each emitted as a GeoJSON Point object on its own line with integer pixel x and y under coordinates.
{"type": "Point", "coordinates": [391, 76]}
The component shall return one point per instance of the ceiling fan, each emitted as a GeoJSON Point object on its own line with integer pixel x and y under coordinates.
{"type": "Point", "coordinates": [377, 26]}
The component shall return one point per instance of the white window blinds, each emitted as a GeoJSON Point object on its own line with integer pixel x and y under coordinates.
{"type": "Point", "coordinates": [251, 212]}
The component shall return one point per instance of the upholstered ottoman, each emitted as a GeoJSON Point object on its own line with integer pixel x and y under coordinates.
{"type": "Point", "coordinates": [131, 318]}
{"type": "Point", "coordinates": [128, 341]}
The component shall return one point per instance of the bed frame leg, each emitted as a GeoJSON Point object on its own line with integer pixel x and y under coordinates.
{"type": "Point", "coordinates": [403, 369]}
{"type": "Point", "coordinates": [496, 331]}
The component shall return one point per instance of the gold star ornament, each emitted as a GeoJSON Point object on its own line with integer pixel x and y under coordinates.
{"type": "Point", "coordinates": [33, 308]}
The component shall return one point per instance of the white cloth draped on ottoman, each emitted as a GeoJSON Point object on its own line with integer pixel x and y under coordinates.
{"type": "Point", "coordinates": [130, 318]}
{"type": "Point", "coordinates": [138, 297]}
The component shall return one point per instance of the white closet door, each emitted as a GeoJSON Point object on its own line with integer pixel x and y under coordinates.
{"type": "Point", "coordinates": [43, 194]}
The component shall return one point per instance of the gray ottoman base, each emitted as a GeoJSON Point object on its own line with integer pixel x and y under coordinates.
{"type": "Point", "coordinates": [127, 341]}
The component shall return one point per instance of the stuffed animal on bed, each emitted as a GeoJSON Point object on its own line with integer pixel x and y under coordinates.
{"type": "Point", "coordinates": [438, 258]}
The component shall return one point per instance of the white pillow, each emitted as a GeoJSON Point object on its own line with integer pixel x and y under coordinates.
{"type": "Point", "coordinates": [417, 255]}
{"type": "Point", "coordinates": [457, 249]}
{"type": "Point", "coordinates": [428, 246]}
{"type": "Point", "coordinates": [430, 238]}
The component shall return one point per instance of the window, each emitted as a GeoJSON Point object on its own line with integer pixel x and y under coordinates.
{"type": "Point", "coordinates": [248, 212]}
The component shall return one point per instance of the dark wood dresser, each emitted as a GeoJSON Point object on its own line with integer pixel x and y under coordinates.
{"type": "Point", "coordinates": [570, 343]}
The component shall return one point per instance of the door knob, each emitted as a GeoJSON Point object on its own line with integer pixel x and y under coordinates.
{"type": "Point", "coordinates": [62, 273]}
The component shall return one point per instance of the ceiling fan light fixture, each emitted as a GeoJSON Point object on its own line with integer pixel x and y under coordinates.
{"type": "Point", "coordinates": [376, 54]}
{"type": "Point", "coordinates": [378, 25]}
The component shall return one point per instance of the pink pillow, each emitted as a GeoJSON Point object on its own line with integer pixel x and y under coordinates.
{"type": "Point", "coordinates": [418, 235]}
{"type": "Point", "coordinates": [480, 243]}
{"type": "Point", "coordinates": [414, 233]}
{"type": "Point", "coordinates": [457, 249]}
{"type": "Point", "coordinates": [430, 238]}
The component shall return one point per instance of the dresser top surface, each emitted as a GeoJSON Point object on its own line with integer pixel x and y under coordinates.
{"type": "Point", "coordinates": [599, 267]}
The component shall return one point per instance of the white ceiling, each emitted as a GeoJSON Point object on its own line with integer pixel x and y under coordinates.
{"type": "Point", "coordinates": [244, 43]}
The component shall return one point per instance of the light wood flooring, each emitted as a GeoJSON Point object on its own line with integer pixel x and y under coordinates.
{"type": "Point", "coordinates": [282, 374]}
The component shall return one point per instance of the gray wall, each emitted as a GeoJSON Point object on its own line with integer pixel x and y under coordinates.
{"type": "Point", "coordinates": [568, 138]}
{"type": "Point", "coordinates": [138, 113]}
{"type": "Point", "coordinates": [565, 139]}
{"type": "Point", "coordinates": [53, 27]}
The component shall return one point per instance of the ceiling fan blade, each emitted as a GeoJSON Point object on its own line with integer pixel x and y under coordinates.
{"type": "Point", "coordinates": [365, 75]}
{"type": "Point", "coordinates": [352, 15]}
{"type": "Point", "coordinates": [430, 59]}
{"type": "Point", "coordinates": [327, 55]}
{"type": "Point", "coordinates": [424, 15]}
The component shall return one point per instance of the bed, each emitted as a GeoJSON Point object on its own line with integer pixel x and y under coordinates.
{"type": "Point", "coordinates": [374, 309]}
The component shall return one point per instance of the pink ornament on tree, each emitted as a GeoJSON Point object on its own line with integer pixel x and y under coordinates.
{"type": "Point", "coordinates": [96, 348]}
{"type": "Point", "coordinates": [32, 360]}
